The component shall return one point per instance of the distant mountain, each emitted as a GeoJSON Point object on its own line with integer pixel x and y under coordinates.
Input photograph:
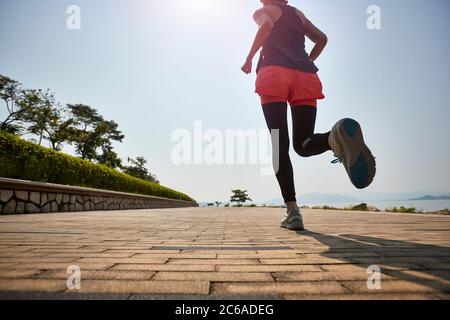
{"type": "Point", "coordinates": [394, 196]}
{"type": "Point", "coordinates": [428, 197]}
{"type": "Point", "coordinates": [353, 197]}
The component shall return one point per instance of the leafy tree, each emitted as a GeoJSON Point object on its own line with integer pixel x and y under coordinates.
{"type": "Point", "coordinates": [108, 132]}
{"type": "Point", "coordinates": [239, 196]}
{"type": "Point", "coordinates": [82, 134]}
{"type": "Point", "coordinates": [58, 130]}
{"type": "Point", "coordinates": [10, 91]}
{"type": "Point", "coordinates": [91, 132]}
{"type": "Point", "coordinates": [138, 169]}
{"type": "Point", "coordinates": [109, 157]}
{"type": "Point", "coordinates": [218, 203]}
{"type": "Point", "coordinates": [38, 107]}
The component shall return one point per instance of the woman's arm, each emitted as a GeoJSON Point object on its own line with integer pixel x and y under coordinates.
{"type": "Point", "coordinates": [315, 35]}
{"type": "Point", "coordinates": [265, 28]}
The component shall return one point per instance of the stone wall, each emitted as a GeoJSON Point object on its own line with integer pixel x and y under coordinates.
{"type": "Point", "coordinates": [20, 197]}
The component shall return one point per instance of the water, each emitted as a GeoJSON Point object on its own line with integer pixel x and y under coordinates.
{"type": "Point", "coordinates": [424, 205]}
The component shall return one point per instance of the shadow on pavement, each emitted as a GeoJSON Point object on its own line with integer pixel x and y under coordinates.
{"type": "Point", "coordinates": [395, 257]}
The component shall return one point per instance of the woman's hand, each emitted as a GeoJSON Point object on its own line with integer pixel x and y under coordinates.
{"type": "Point", "coordinates": [247, 67]}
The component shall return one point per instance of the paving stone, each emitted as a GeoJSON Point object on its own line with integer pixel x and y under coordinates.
{"type": "Point", "coordinates": [124, 260]}
{"type": "Point", "coordinates": [320, 261]}
{"type": "Point", "coordinates": [269, 268]}
{"type": "Point", "coordinates": [62, 266]}
{"type": "Point", "coordinates": [323, 276]}
{"type": "Point", "coordinates": [150, 287]}
{"type": "Point", "coordinates": [100, 275]}
{"type": "Point", "coordinates": [214, 261]}
{"type": "Point", "coordinates": [225, 253]}
{"type": "Point", "coordinates": [279, 288]}
{"type": "Point", "coordinates": [21, 274]}
{"type": "Point", "coordinates": [215, 276]}
{"type": "Point", "coordinates": [163, 267]}
{"type": "Point", "coordinates": [371, 296]}
{"type": "Point", "coordinates": [399, 286]}
{"type": "Point", "coordinates": [41, 285]}
{"type": "Point", "coordinates": [25, 260]}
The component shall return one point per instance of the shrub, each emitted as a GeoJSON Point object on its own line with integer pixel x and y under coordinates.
{"type": "Point", "coordinates": [360, 207]}
{"type": "Point", "coordinates": [402, 209]}
{"type": "Point", "coordinates": [325, 207]}
{"type": "Point", "coordinates": [20, 159]}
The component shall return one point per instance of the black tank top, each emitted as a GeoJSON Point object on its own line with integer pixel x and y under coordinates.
{"type": "Point", "coordinates": [285, 46]}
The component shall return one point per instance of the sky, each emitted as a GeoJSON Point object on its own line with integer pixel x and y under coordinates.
{"type": "Point", "coordinates": [158, 66]}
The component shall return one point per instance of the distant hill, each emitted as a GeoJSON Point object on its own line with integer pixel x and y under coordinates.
{"type": "Point", "coordinates": [428, 197]}
{"type": "Point", "coordinates": [365, 196]}
{"type": "Point", "coordinates": [354, 197]}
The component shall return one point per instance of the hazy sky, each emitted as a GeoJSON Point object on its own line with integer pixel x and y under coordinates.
{"type": "Point", "coordinates": [157, 66]}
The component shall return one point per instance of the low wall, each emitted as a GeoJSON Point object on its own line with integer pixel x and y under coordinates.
{"type": "Point", "coordinates": [20, 197]}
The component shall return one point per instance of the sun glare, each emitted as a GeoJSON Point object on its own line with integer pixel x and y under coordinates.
{"type": "Point", "coordinates": [201, 5]}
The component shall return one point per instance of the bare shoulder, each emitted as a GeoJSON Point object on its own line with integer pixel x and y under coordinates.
{"type": "Point", "coordinates": [301, 16]}
{"type": "Point", "coordinates": [258, 13]}
{"type": "Point", "coordinates": [271, 11]}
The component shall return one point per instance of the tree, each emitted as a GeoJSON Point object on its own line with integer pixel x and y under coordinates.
{"type": "Point", "coordinates": [109, 131]}
{"type": "Point", "coordinates": [10, 91]}
{"type": "Point", "coordinates": [239, 196]}
{"type": "Point", "coordinates": [38, 108]}
{"type": "Point", "coordinates": [109, 157]}
{"type": "Point", "coordinates": [218, 203]}
{"type": "Point", "coordinates": [58, 129]}
{"type": "Point", "coordinates": [91, 132]}
{"type": "Point", "coordinates": [138, 169]}
{"type": "Point", "coordinates": [82, 133]}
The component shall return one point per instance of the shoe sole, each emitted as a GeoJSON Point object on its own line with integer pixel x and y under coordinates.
{"type": "Point", "coordinates": [362, 166]}
{"type": "Point", "coordinates": [295, 227]}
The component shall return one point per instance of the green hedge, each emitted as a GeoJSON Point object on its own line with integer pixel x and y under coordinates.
{"type": "Point", "coordinates": [20, 159]}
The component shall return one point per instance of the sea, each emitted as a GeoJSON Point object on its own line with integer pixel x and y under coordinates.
{"type": "Point", "coordinates": [420, 205]}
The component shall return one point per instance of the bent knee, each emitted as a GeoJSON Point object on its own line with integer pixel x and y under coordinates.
{"type": "Point", "coordinates": [302, 152]}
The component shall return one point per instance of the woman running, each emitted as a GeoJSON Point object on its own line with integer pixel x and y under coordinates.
{"type": "Point", "coordinates": [286, 73]}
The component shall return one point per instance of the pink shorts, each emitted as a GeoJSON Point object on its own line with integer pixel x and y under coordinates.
{"type": "Point", "coordinates": [280, 84]}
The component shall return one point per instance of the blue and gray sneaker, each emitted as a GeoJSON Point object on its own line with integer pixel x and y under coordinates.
{"type": "Point", "coordinates": [293, 220]}
{"type": "Point", "coordinates": [347, 142]}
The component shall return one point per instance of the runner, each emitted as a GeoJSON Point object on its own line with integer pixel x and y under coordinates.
{"type": "Point", "coordinates": [286, 73]}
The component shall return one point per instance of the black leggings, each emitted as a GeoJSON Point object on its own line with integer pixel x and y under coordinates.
{"type": "Point", "coordinates": [306, 143]}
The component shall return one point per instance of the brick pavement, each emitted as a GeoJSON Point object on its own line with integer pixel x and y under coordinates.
{"type": "Point", "coordinates": [232, 253]}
